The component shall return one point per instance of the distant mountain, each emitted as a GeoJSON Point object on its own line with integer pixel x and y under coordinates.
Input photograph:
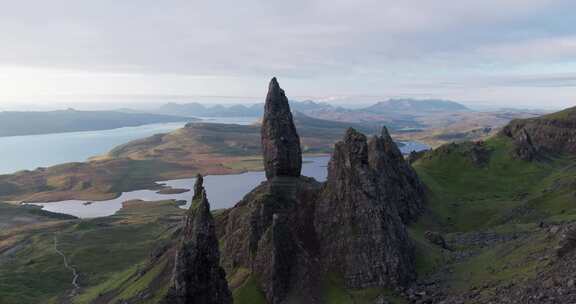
{"type": "Point", "coordinates": [237, 110]}
{"type": "Point", "coordinates": [416, 106]}
{"type": "Point", "coordinates": [392, 109]}
{"type": "Point", "coordinates": [30, 123]}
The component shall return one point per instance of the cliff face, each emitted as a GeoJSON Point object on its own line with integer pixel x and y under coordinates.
{"type": "Point", "coordinates": [197, 276]}
{"type": "Point", "coordinates": [548, 134]}
{"type": "Point", "coordinates": [291, 232]}
{"type": "Point", "coordinates": [360, 231]}
{"type": "Point", "coordinates": [398, 180]}
{"type": "Point", "coordinates": [271, 233]}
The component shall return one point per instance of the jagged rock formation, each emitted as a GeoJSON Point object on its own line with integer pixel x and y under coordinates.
{"type": "Point", "coordinates": [549, 134]}
{"type": "Point", "coordinates": [399, 181]}
{"type": "Point", "coordinates": [198, 187]}
{"type": "Point", "coordinates": [360, 233]}
{"type": "Point", "coordinates": [270, 232]}
{"type": "Point", "coordinates": [197, 276]}
{"type": "Point", "coordinates": [280, 141]}
{"type": "Point", "coordinates": [291, 232]}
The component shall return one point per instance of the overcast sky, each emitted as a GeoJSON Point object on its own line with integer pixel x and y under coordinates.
{"type": "Point", "coordinates": [495, 52]}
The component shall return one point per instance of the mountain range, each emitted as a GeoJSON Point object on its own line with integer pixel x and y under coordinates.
{"type": "Point", "coordinates": [413, 106]}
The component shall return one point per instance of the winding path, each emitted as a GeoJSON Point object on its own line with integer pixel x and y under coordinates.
{"type": "Point", "coordinates": [75, 275]}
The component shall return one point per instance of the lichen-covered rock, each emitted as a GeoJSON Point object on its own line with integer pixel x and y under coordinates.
{"type": "Point", "coordinates": [197, 276]}
{"type": "Point", "coordinates": [360, 232]}
{"type": "Point", "coordinates": [280, 141]}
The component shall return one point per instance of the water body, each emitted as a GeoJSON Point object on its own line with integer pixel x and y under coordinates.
{"type": "Point", "coordinates": [32, 151]}
{"type": "Point", "coordinates": [223, 191]}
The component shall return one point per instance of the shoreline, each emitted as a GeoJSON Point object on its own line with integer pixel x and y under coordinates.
{"type": "Point", "coordinates": [95, 197]}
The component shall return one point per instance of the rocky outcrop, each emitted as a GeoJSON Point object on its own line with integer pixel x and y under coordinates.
{"type": "Point", "coordinates": [398, 180]}
{"type": "Point", "coordinates": [197, 276]}
{"type": "Point", "coordinates": [535, 138]}
{"type": "Point", "coordinates": [280, 141]}
{"type": "Point", "coordinates": [360, 232]}
{"type": "Point", "coordinates": [436, 239]}
{"type": "Point", "coordinates": [292, 232]}
{"type": "Point", "coordinates": [271, 233]}
{"type": "Point", "coordinates": [198, 187]}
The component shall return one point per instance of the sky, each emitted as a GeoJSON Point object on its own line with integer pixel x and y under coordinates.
{"type": "Point", "coordinates": [500, 53]}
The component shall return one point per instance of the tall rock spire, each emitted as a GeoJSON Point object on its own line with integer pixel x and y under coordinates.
{"type": "Point", "coordinates": [198, 277]}
{"type": "Point", "coordinates": [198, 187]}
{"type": "Point", "coordinates": [280, 141]}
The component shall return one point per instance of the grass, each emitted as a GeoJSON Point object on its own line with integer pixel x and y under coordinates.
{"type": "Point", "coordinates": [247, 164]}
{"type": "Point", "coordinates": [334, 292]}
{"type": "Point", "coordinates": [105, 251]}
{"type": "Point", "coordinates": [508, 262]}
{"type": "Point", "coordinates": [428, 257]}
{"type": "Point", "coordinates": [505, 195]}
{"type": "Point", "coordinates": [466, 197]}
{"type": "Point", "coordinates": [249, 293]}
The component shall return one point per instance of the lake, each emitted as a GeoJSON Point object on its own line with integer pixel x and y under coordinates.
{"type": "Point", "coordinates": [223, 191]}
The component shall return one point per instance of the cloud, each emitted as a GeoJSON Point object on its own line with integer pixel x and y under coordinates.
{"type": "Point", "coordinates": [355, 44]}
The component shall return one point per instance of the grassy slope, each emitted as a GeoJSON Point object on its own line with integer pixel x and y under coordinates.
{"type": "Point", "coordinates": [505, 196]}
{"type": "Point", "coordinates": [105, 252]}
{"type": "Point", "coordinates": [465, 197]}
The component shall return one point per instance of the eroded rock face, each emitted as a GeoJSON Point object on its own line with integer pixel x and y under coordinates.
{"type": "Point", "coordinates": [272, 234]}
{"type": "Point", "coordinates": [399, 181]}
{"type": "Point", "coordinates": [292, 232]}
{"type": "Point", "coordinates": [198, 187]}
{"type": "Point", "coordinates": [280, 141]}
{"type": "Point", "coordinates": [360, 232]}
{"type": "Point", "coordinates": [535, 138]}
{"type": "Point", "coordinates": [197, 276]}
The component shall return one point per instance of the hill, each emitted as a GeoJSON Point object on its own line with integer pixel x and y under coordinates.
{"type": "Point", "coordinates": [431, 121]}
{"type": "Point", "coordinates": [30, 123]}
{"type": "Point", "coordinates": [416, 106]}
{"type": "Point", "coordinates": [507, 219]}
{"type": "Point", "coordinates": [538, 137]}
{"type": "Point", "coordinates": [206, 148]}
